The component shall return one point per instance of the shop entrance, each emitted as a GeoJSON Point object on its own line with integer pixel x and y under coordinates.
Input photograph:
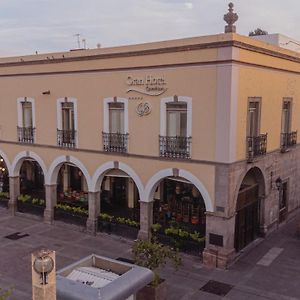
{"type": "Point", "coordinates": [248, 209]}
{"type": "Point", "coordinates": [179, 215]}
{"type": "Point", "coordinates": [119, 196]}
{"type": "Point", "coordinates": [247, 217]}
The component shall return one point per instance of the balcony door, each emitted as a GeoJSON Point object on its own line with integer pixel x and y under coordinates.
{"type": "Point", "coordinates": [176, 119]}
{"type": "Point", "coordinates": [27, 114]}
{"type": "Point", "coordinates": [253, 119]}
{"type": "Point", "coordinates": [116, 118]}
{"type": "Point", "coordinates": [68, 123]}
{"type": "Point", "coordinates": [286, 116]}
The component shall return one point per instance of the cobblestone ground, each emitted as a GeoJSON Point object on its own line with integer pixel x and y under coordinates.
{"type": "Point", "coordinates": [270, 270]}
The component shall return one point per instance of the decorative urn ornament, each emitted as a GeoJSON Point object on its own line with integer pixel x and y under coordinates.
{"type": "Point", "coordinates": [230, 18]}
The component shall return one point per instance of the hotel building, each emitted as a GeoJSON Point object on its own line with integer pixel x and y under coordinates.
{"type": "Point", "coordinates": [198, 132]}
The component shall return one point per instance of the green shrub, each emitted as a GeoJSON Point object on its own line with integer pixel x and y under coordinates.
{"type": "Point", "coordinates": [156, 227]}
{"type": "Point", "coordinates": [154, 255]}
{"type": "Point", "coordinates": [106, 217]}
{"type": "Point", "coordinates": [4, 195]}
{"type": "Point", "coordinates": [24, 198]}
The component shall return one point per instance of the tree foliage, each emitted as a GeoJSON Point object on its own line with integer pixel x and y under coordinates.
{"type": "Point", "coordinates": [153, 255]}
{"type": "Point", "coordinates": [4, 294]}
{"type": "Point", "coordinates": [258, 31]}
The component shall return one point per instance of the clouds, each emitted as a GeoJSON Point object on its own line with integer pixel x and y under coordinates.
{"type": "Point", "coordinates": [50, 25]}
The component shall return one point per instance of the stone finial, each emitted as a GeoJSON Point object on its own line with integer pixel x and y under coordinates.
{"type": "Point", "coordinates": [230, 18]}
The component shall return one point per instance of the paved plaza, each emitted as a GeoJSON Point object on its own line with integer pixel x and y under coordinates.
{"type": "Point", "coordinates": [271, 270]}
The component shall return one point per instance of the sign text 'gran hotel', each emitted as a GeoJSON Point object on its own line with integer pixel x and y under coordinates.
{"type": "Point", "coordinates": [147, 85]}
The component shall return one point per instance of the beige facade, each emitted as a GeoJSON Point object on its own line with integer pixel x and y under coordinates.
{"type": "Point", "coordinates": [213, 77]}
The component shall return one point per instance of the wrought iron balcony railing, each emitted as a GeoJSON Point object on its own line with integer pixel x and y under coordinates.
{"type": "Point", "coordinates": [175, 146]}
{"type": "Point", "coordinates": [288, 140]}
{"type": "Point", "coordinates": [26, 134]}
{"type": "Point", "coordinates": [115, 142]}
{"type": "Point", "coordinates": [66, 138]}
{"type": "Point", "coordinates": [257, 146]}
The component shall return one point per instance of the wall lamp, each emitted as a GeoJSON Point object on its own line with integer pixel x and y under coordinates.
{"type": "Point", "coordinates": [46, 92]}
{"type": "Point", "coordinates": [278, 183]}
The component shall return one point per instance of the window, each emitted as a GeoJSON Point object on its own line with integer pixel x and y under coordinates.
{"type": "Point", "coordinates": [256, 142]}
{"type": "Point", "coordinates": [67, 116]}
{"type": "Point", "coordinates": [26, 121]}
{"type": "Point", "coordinates": [115, 125]}
{"type": "Point", "coordinates": [116, 117]}
{"type": "Point", "coordinates": [177, 119]}
{"type": "Point", "coordinates": [286, 116]}
{"type": "Point", "coordinates": [175, 127]}
{"type": "Point", "coordinates": [253, 119]}
{"type": "Point", "coordinates": [67, 122]}
{"type": "Point", "coordinates": [27, 114]}
{"type": "Point", "coordinates": [288, 138]}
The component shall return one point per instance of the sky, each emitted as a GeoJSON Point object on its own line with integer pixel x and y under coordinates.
{"type": "Point", "coordinates": [27, 26]}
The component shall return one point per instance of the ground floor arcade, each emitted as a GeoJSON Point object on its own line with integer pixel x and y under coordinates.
{"type": "Point", "coordinates": [173, 202]}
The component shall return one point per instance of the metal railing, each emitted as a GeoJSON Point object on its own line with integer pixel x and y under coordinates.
{"type": "Point", "coordinates": [26, 134]}
{"type": "Point", "coordinates": [175, 146]}
{"type": "Point", "coordinates": [288, 140]}
{"type": "Point", "coordinates": [66, 138]}
{"type": "Point", "coordinates": [115, 142]}
{"type": "Point", "coordinates": [257, 146]}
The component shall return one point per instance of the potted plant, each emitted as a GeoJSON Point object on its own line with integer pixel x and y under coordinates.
{"type": "Point", "coordinates": [153, 255]}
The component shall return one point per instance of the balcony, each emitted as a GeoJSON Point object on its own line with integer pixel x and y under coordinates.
{"type": "Point", "coordinates": [115, 142]}
{"type": "Point", "coordinates": [257, 146]}
{"type": "Point", "coordinates": [288, 140]}
{"type": "Point", "coordinates": [175, 147]}
{"type": "Point", "coordinates": [66, 138]}
{"type": "Point", "coordinates": [26, 134]}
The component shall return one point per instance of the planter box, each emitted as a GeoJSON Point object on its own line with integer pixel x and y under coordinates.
{"type": "Point", "coordinates": [30, 208]}
{"type": "Point", "coordinates": [4, 202]}
{"type": "Point", "coordinates": [149, 292]}
{"type": "Point", "coordinates": [118, 229]}
{"type": "Point", "coordinates": [127, 231]}
{"type": "Point", "coordinates": [185, 245]}
{"type": "Point", "coordinates": [70, 217]}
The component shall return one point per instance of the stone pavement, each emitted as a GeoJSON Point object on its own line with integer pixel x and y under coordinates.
{"type": "Point", "coordinates": [271, 270]}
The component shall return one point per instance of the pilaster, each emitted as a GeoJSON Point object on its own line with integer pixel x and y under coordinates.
{"type": "Point", "coordinates": [146, 220]}
{"type": "Point", "coordinates": [219, 251]}
{"type": "Point", "coordinates": [94, 211]}
{"type": "Point", "coordinates": [14, 192]}
{"type": "Point", "coordinates": [51, 200]}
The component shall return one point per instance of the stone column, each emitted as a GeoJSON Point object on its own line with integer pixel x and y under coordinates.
{"type": "Point", "coordinates": [146, 220]}
{"type": "Point", "coordinates": [51, 200]}
{"type": "Point", "coordinates": [219, 249]}
{"type": "Point", "coordinates": [94, 211]}
{"type": "Point", "coordinates": [14, 192]}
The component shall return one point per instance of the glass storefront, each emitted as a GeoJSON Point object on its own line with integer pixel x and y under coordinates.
{"type": "Point", "coordinates": [119, 196]}
{"type": "Point", "coordinates": [72, 186]}
{"type": "Point", "coordinates": [178, 201]}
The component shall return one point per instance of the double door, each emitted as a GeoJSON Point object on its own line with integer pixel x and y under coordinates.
{"type": "Point", "coordinates": [247, 217]}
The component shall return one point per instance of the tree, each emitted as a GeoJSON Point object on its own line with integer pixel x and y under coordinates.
{"type": "Point", "coordinates": [153, 255]}
{"type": "Point", "coordinates": [258, 31]}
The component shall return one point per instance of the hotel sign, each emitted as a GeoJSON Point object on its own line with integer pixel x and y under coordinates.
{"type": "Point", "coordinates": [147, 85]}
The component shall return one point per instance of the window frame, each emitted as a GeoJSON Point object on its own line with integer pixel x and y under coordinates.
{"type": "Point", "coordinates": [259, 101]}
{"type": "Point", "coordinates": [163, 113]}
{"type": "Point", "coordinates": [106, 115]}
{"type": "Point", "coordinates": [59, 115]}
{"type": "Point", "coordinates": [20, 102]}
